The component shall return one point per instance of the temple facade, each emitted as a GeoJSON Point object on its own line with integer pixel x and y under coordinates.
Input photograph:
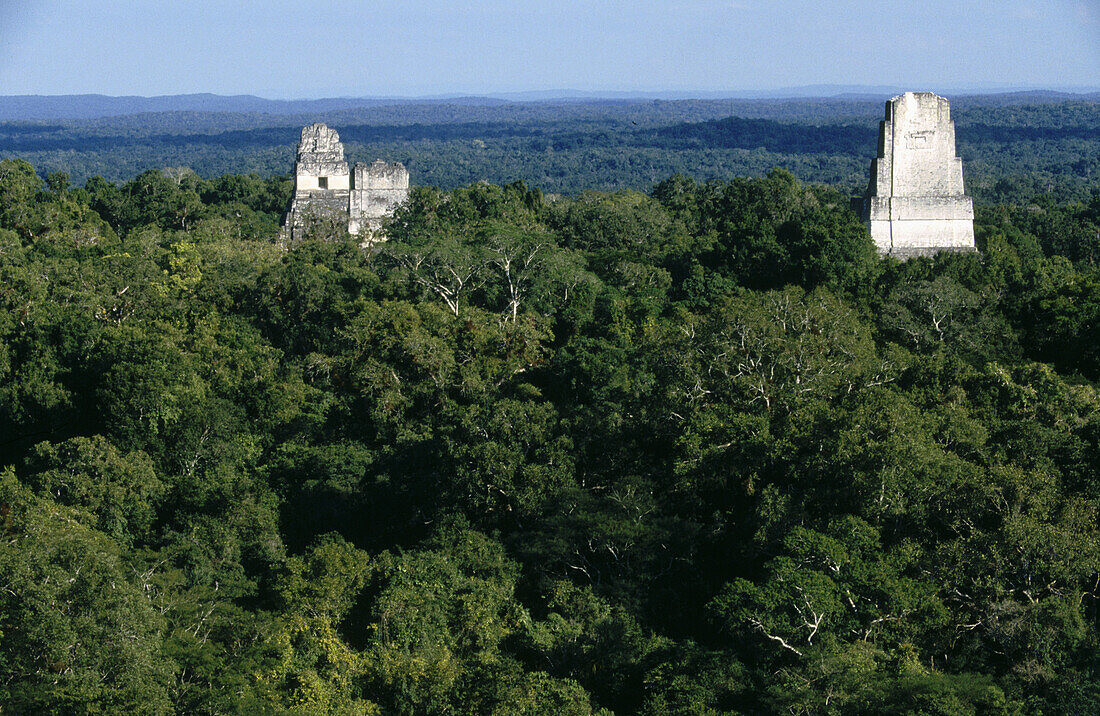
{"type": "Point", "coordinates": [326, 192]}
{"type": "Point", "coordinates": [915, 203]}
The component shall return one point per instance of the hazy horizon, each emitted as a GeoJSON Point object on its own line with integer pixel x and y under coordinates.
{"type": "Point", "coordinates": [823, 91]}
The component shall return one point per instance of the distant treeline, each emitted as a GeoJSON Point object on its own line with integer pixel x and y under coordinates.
{"type": "Point", "coordinates": [1014, 147]}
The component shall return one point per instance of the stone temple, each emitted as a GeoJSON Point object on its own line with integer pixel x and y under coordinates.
{"type": "Point", "coordinates": [325, 191]}
{"type": "Point", "coordinates": [915, 204]}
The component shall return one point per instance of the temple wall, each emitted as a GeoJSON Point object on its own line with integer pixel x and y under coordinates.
{"type": "Point", "coordinates": [361, 199]}
{"type": "Point", "coordinates": [927, 234]}
{"type": "Point", "coordinates": [915, 200]}
{"type": "Point", "coordinates": [377, 190]}
{"type": "Point", "coordinates": [923, 139]}
{"type": "Point", "coordinates": [309, 182]}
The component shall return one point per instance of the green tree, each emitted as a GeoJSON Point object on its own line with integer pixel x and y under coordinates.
{"type": "Point", "coordinates": [79, 635]}
{"type": "Point", "coordinates": [122, 491]}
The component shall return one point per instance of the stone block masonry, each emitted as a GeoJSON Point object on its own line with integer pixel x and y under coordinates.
{"type": "Point", "coordinates": [915, 203]}
{"type": "Point", "coordinates": [378, 189]}
{"type": "Point", "coordinates": [325, 191]}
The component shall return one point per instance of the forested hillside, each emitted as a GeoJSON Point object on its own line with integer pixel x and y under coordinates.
{"type": "Point", "coordinates": [1013, 146]}
{"type": "Point", "coordinates": [691, 451]}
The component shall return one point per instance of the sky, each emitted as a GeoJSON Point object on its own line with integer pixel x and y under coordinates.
{"type": "Point", "coordinates": [298, 50]}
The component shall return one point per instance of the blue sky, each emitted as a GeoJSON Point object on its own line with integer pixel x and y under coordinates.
{"type": "Point", "coordinates": [424, 47]}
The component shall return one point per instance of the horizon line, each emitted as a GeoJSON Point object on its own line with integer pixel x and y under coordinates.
{"type": "Point", "coordinates": [827, 91]}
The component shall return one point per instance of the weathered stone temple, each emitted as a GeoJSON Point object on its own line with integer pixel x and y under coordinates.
{"type": "Point", "coordinates": [325, 191]}
{"type": "Point", "coordinates": [915, 203]}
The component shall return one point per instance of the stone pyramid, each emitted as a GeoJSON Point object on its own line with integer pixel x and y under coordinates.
{"type": "Point", "coordinates": [915, 203]}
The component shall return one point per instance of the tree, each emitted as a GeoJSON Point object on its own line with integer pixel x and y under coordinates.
{"type": "Point", "coordinates": [121, 491]}
{"type": "Point", "coordinates": [79, 636]}
{"type": "Point", "coordinates": [19, 187]}
{"type": "Point", "coordinates": [519, 258]}
{"type": "Point", "coordinates": [449, 268]}
{"type": "Point", "coordinates": [315, 670]}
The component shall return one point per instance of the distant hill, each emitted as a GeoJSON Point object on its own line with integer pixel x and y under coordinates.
{"type": "Point", "coordinates": [94, 106]}
{"type": "Point", "coordinates": [91, 106]}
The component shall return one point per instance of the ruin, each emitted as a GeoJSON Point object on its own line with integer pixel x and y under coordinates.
{"type": "Point", "coordinates": [915, 204]}
{"type": "Point", "coordinates": [326, 192]}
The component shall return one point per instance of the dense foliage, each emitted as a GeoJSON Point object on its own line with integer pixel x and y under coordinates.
{"type": "Point", "coordinates": [694, 451]}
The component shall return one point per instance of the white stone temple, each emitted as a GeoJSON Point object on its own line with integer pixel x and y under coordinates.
{"type": "Point", "coordinates": [915, 203]}
{"type": "Point", "coordinates": [325, 191]}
